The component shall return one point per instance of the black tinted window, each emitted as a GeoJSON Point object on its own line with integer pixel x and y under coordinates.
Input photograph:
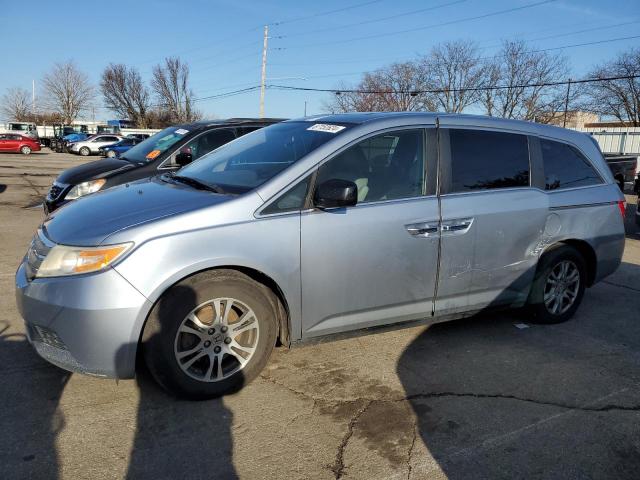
{"type": "Point", "coordinates": [385, 167]}
{"type": "Point", "coordinates": [566, 167]}
{"type": "Point", "coordinates": [482, 160]}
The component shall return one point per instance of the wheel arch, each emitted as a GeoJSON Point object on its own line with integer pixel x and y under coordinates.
{"type": "Point", "coordinates": [281, 306]}
{"type": "Point", "coordinates": [588, 253]}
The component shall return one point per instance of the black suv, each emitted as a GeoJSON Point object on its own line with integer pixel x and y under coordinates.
{"type": "Point", "coordinates": [164, 152]}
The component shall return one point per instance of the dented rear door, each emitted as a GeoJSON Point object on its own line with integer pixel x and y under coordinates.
{"type": "Point", "coordinates": [493, 218]}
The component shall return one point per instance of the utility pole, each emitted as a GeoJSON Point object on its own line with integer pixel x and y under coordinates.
{"type": "Point", "coordinates": [33, 99]}
{"type": "Point", "coordinates": [264, 70]}
{"type": "Point", "coordinates": [566, 104]}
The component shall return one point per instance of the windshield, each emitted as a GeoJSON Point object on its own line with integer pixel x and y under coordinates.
{"type": "Point", "coordinates": [153, 146]}
{"type": "Point", "coordinates": [251, 160]}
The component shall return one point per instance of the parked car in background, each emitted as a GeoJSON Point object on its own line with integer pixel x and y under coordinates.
{"type": "Point", "coordinates": [118, 148]}
{"type": "Point", "coordinates": [139, 136]}
{"type": "Point", "coordinates": [623, 167]}
{"type": "Point", "coordinates": [59, 131]}
{"type": "Point", "coordinates": [166, 151]}
{"type": "Point", "coordinates": [62, 145]}
{"type": "Point", "coordinates": [316, 227]}
{"type": "Point", "coordinates": [14, 143]}
{"type": "Point", "coordinates": [91, 145]}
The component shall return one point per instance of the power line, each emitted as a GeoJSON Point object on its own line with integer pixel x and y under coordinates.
{"type": "Point", "coordinates": [494, 56]}
{"type": "Point", "coordinates": [322, 14]}
{"type": "Point", "coordinates": [597, 42]}
{"type": "Point", "coordinates": [426, 27]}
{"type": "Point", "coordinates": [447, 90]}
{"type": "Point", "coordinates": [375, 20]}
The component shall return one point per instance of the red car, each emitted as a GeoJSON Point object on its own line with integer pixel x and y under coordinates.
{"type": "Point", "coordinates": [11, 142]}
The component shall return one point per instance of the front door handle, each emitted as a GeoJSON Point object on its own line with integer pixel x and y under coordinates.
{"type": "Point", "coordinates": [422, 229]}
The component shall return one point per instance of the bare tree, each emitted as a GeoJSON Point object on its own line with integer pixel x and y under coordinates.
{"type": "Point", "coordinates": [15, 104]}
{"type": "Point", "coordinates": [171, 84]}
{"type": "Point", "coordinates": [515, 67]}
{"type": "Point", "coordinates": [454, 69]}
{"type": "Point", "coordinates": [395, 88]}
{"type": "Point", "coordinates": [125, 93]}
{"type": "Point", "coordinates": [616, 98]}
{"type": "Point", "coordinates": [68, 91]}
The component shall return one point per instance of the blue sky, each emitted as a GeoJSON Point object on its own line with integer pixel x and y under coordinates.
{"type": "Point", "coordinates": [222, 40]}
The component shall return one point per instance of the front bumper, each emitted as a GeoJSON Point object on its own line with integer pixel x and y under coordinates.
{"type": "Point", "coordinates": [87, 323]}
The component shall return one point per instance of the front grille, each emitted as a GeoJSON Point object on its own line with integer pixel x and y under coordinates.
{"type": "Point", "coordinates": [38, 250]}
{"type": "Point", "coordinates": [55, 190]}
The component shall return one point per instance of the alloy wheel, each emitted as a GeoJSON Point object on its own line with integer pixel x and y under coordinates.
{"type": "Point", "coordinates": [561, 287]}
{"type": "Point", "coordinates": [216, 339]}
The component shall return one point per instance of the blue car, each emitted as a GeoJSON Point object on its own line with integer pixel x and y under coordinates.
{"type": "Point", "coordinates": [75, 137]}
{"type": "Point", "coordinates": [115, 149]}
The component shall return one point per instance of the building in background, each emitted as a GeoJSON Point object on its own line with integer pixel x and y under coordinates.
{"type": "Point", "coordinates": [576, 119]}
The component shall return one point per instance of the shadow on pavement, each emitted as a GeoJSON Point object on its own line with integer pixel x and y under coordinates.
{"type": "Point", "coordinates": [29, 418]}
{"type": "Point", "coordinates": [3, 187]}
{"type": "Point", "coordinates": [178, 438]}
{"type": "Point", "coordinates": [542, 401]}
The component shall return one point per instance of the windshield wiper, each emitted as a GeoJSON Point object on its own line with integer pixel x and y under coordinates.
{"type": "Point", "coordinates": [192, 182]}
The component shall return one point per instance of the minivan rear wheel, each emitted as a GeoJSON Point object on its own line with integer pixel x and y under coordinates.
{"type": "Point", "coordinates": [558, 286]}
{"type": "Point", "coordinates": [210, 334]}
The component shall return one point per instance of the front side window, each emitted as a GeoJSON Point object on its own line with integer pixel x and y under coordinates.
{"type": "Point", "coordinates": [255, 158]}
{"type": "Point", "coordinates": [482, 160]}
{"type": "Point", "coordinates": [566, 167]}
{"type": "Point", "coordinates": [384, 167]}
{"type": "Point", "coordinates": [292, 200]}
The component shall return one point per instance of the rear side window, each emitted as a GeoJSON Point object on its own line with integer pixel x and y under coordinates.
{"type": "Point", "coordinates": [482, 160]}
{"type": "Point", "coordinates": [566, 167]}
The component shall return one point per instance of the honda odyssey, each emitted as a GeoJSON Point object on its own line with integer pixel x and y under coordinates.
{"type": "Point", "coordinates": [318, 227]}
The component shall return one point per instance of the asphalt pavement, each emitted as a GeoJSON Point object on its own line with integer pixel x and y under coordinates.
{"type": "Point", "coordinates": [487, 397]}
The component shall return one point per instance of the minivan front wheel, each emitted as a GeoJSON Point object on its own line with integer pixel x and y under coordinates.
{"type": "Point", "coordinates": [558, 286]}
{"type": "Point", "coordinates": [210, 334]}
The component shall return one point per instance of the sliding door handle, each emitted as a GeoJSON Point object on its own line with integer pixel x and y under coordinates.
{"type": "Point", "coordinates": [460, 225]}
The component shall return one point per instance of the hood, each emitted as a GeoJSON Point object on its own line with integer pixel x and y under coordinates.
{"type": "Point", "coordinates": [89, 220]}
{"type": "Point", "coordinates": [93, 170]}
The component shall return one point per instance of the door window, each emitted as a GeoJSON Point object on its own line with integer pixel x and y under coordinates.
{"type": "Point", "coordinates": [384, 167]}
{"type": "Point", "coordinates": [208, 142]}
{"type": "Point", "coordinates": [482, 160]}
{"type": "Point", "coordinates": [292, 200]}
{"type": "Point", "coordinates": [566, 167]}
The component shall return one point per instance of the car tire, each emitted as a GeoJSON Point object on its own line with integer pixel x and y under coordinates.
{"type": "Point", "coordinates": [186, 347]}
{"type": "Point", "coordinates": [84, 151]}
{"type": "Point", "coordinates": [558, 285]}
{"type": "Point", "coordinates": [25, 150]}
{"type": "Point", "coordinates": [110, 154]}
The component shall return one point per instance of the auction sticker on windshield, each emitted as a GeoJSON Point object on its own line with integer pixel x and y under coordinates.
{"type": "Point", "coordinates": [325, 127]}
{"type": "Point", "coordinates": [182, 131]}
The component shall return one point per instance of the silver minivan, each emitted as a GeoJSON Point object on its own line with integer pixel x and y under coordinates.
{"type": "Point", "coordinates": [318, 227]}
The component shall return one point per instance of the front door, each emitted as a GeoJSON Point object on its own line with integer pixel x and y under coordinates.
{"type": "Point", "coordinates": [493, 219]}
{"type": "Point", "coordinates": [376, 262]}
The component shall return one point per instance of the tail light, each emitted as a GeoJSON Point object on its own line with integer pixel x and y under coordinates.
{"type": "Point", "coordinates": [622, 206]}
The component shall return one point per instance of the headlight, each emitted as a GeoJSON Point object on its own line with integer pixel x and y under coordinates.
{"type": "Point", "coordinates": [64, 260]}
{"type": "Point", "coordinates": [85, 188]}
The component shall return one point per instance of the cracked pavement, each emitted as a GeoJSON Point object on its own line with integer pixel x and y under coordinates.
{"type": "Point", "coordinates": [470, 399]}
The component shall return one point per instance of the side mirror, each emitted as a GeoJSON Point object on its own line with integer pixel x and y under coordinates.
{"type": "Point", "coordinates": [336, 193]}
{"type": "Point", "coordinates": [183, 158]}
